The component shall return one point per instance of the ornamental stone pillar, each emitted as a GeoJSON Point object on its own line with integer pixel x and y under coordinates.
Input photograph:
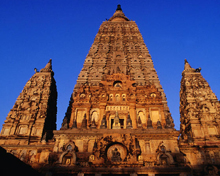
{"type": "Point", "coordinates": [101, 113]}
{"type": "Point", "coordinates": [133, 116]}
{"type": "Point", "coordinates": [72, 117]}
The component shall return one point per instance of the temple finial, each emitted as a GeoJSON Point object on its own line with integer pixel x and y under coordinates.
{"type": "Point", "coordinates": [119, 7]}
{"type": "Point", "coordinates": [48, 67]}
{"type": "Point", "coordinates": [187, 66]}
{"type": "Point", "coordinates": [118, 15]}
{"type": "Point", "coordinates": [49, 64]}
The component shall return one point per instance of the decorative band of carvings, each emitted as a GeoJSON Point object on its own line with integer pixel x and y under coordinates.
{"type": "Point", "coordinates": [117, 108]}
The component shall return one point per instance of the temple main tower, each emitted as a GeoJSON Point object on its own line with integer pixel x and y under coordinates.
{"type": "Point", "coordinates": [118, 114]}
{"type": "Point", "coordinates": [118, 75]}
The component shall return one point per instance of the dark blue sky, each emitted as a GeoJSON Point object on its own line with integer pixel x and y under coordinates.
{"type": "Point", "coordinates": [33, 31]}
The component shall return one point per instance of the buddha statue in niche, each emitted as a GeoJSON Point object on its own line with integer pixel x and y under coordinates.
{"type": "Point", "coordinates": [116, 124]}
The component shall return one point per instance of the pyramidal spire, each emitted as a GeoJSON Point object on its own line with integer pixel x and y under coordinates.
{"type": "Point", "coordinates": [119, 15]}
{"type": "Point", "coordinates": [118, 58]}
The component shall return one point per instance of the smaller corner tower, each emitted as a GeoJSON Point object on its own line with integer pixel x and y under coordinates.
{"type": "Point", "coordinates": [199, 109]}
{"type": "Point", "coordinates": [199, 117]}
{"type": "Point", "coordinates": [33, 115]}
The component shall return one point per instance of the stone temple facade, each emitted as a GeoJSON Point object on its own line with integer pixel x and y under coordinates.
{"type": "Point", "coordinates": [118, 121]}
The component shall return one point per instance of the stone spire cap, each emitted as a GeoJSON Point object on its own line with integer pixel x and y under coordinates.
{"type": "Point", "coordinates": [48, 67]}
{"type": "Point", "coordinates": [119, 7]}
{"type": "Point", "coordinates": [187, 67]}
{"type": "Point", "coordinates": [118, 15]}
